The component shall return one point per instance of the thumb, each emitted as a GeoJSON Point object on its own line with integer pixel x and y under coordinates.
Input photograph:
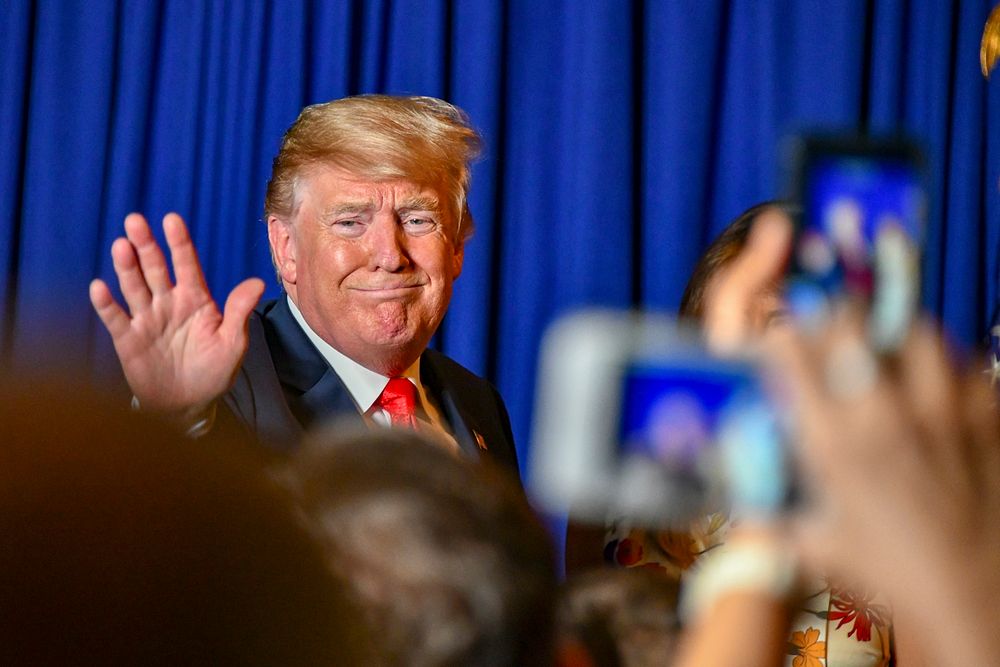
{"type": "Point", "coordinates": [759, 264]}
{"type": "Point", "coordinates": [240, 302]}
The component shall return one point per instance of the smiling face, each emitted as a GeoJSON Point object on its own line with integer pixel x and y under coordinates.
{"type": "Point", "coordinates": [370, 264]}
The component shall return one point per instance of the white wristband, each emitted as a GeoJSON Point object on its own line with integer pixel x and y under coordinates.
{"type": "Point", "coordinates": [731, 568]}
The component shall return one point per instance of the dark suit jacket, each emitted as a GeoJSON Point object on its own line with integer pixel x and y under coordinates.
{"type": "Point", "coordinates": [284, 387]}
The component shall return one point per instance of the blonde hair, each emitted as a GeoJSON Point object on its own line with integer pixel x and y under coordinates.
{"type": "Point", "coordinates": [382, 137]}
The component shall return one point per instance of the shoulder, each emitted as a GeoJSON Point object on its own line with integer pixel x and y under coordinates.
{"type": "Point", "coordinates": [468, 389]}
{"type": "Point", "coordinates": [455, 373]}
{"type": "Point", "coordinates": [267, 312]}
{"type": "Point", "coordinates": [258, 347]}
{"type": "Point", "coordinates": [473, 401]}
{"type": "Point", "coordinates": [256, 387]}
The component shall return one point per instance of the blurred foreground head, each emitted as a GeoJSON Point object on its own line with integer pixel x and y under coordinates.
{"type": "Point", "coordinates": [123, 543]}
{"type": "Point", "coordinates": [445, 557]}
{"type": "Point", "coordinates": [617, 618]}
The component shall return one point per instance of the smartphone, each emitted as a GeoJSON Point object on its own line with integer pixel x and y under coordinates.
{"type": "Point", "coordinates": [636, 420]}
{"type": "Point", "coordinates": [862, 213]}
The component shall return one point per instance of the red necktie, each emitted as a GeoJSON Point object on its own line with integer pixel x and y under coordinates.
{"type": "Point", "coordinates": [399, 399]}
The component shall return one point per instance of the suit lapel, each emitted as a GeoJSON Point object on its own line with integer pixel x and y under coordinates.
{"type": "Point", "coordinates": [313, 391]}
{"type": "Point", "coordinates": [460, 419]}
{"type": "Point", "coordinates": [325, 400]}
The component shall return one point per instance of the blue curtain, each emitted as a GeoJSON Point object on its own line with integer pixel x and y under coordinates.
{"type": "Point", "coordinates": [620, 139]}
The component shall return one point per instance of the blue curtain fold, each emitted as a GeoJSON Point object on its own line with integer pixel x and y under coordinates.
{"type": "Point", "coordinates": [620, 137]}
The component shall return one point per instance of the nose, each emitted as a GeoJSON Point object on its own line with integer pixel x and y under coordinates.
{"type": "Point", "coordinates": [387, 244]}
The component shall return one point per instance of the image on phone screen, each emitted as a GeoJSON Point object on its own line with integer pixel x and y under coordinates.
{"type": "Point", "coordinates": [711, 429]}
{"type": "Point", "coordinates": [859, 234]}
{"type": "Point", "coordinates": [671, 415]}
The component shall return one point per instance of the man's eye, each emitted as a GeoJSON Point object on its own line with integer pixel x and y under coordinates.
{"type": "Point", "coordinates": [418, 225]}
{"type": "Point", "coordinates": [349, 227]}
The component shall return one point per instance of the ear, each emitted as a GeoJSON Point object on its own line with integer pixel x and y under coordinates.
{"type": "Point", "coordinates": [457, 259]}
{"type": "Point", "coordinates": [283, 249]}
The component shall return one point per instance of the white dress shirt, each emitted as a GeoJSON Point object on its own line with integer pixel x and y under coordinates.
{"type": "Point", "coordinates": [365, 385]}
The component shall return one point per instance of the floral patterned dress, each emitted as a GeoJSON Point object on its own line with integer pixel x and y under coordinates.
{"type": "Point", "coordinates": [835, 627]}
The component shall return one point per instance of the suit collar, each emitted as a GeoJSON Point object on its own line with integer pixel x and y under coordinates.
{"type": "Point", "coordinates": [297, 362]}
{"type": "Point", "coordinates": [314, 392]}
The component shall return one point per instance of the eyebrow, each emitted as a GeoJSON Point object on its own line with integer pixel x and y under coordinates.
{"type": "Point", "coordinates": [348, 207]}
{"type": "Point", "coordinates": [419, 203]}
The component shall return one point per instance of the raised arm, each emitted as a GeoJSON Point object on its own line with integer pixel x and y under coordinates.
{"type": "Point", "coordinates": [178, 352]}
{"type": "Point", "coordinates": [905, 453]}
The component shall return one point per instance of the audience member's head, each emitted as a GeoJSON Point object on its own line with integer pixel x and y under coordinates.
{"type": "Point", "coordinates": [768, 307]}
{"type": "Point", "coordinates": [445, 556]}
{"type": "Point", "coordinates": [123, 543]}
{"type": "Point", "coordinates": [612, 618]}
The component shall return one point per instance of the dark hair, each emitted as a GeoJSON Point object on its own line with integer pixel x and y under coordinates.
{"type": "Point", "coordinates": [446, 558]}
{"type": "Point", "coordinates": [122, 542]}
{"type": "Point", "coordinates": [722, 251]}
{"type": "Point", "coordinates": [621, 618]}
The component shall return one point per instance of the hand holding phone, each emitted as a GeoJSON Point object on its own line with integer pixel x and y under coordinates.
{"type": "Point", "coordinates": [651, 427]}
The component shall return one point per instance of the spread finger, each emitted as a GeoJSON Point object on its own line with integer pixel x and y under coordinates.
{"type": "Point", "coordinates": [151, 259]}
{"type": "Point", "coordinates": [187, 268]}
{"type": "Point", "coordinates": [115, 319]}
{"type": "Point", "coordinates": [131, 280]}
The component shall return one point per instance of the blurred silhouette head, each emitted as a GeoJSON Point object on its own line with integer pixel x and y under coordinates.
{"type": "Point", "coordinates": [123, 543]}
{"type": "Point", "coordinates": [445, 557]}
{"type": "Point", "coordinates": [617, 618]}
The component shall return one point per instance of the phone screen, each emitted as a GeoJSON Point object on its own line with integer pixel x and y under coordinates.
{"type": "Point", "coordinates": [671, 413]}
{"type": "Point", "coordinates": [863, 211]}
{"type": "Point", "coordinates": [649, 426]}
{"type": "Point", "coordinates": [711, 427]}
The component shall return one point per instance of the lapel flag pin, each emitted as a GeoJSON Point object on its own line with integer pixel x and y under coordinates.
{"type": "Point", "coordinates": [480, 441]}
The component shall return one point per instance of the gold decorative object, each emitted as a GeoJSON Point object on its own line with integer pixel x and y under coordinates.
{"type": "Point", "coordinates": [989, 49]}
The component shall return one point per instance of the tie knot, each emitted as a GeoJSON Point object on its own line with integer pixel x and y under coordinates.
{"type": "Point", "coordinates": [399, 399]}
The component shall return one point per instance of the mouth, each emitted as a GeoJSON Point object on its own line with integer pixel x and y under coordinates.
{"type": "Point", "coordinates": [388, 291]}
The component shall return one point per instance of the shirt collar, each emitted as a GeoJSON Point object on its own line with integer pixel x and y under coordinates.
{"type": "Point", "coordinates": [364, 384]}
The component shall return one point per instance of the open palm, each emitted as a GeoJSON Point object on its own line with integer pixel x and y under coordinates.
{"type": "Point", "coordinates": [178, 352]}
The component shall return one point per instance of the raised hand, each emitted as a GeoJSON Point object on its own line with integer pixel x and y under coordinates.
{"type": "Point", "coordinates": [729, 298]}
{"type": "Point", "coordinates": [178, 352]}
{"type": "Point", "coordinates": [904, 456]}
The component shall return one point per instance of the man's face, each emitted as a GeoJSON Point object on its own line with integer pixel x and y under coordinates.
{"type": "Point", "coordinates": [370, 264]}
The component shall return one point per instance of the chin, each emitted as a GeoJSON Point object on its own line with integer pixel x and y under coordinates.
{"type": "Point", "coordinates": [400, 327]}
{"type": "Point", "coordinates": [391, 358]}
{"type": "Point", "coordinates": [393, 340]}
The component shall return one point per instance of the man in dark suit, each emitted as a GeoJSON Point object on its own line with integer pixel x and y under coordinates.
{"type": "Point", "coordinates": [367, 220]}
